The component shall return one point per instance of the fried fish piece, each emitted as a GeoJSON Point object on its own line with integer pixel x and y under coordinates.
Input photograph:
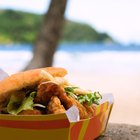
{"type": "Point", "coordinates": [48, 89]}
{"type": "Point", "coordinates": [82, 110]}
{"type": "Point", "coordinates": [90, 109]}
{"type": "Point", "coordinates": [55, 106]}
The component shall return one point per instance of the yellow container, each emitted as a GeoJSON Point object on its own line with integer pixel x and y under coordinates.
{"type": "Point", "coordinates": [56, 127]}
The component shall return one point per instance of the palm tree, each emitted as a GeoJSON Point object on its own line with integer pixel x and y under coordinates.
{"type": "Point", "coordinates": [49, 35]}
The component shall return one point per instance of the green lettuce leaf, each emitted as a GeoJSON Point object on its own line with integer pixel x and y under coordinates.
{"type": "Point", "coordinates": [16, 105]}
{"type": "Point", "coordinates": [70, 91]}
{"type": "Point", "coordinates": [90, 98]}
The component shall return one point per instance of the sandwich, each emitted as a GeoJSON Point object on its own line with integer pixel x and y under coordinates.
{"type": "Point", "coordinates": [45, 91]}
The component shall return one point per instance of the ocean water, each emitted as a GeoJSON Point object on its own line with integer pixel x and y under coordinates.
{"type": "Point", "coordinates": [97, 58]}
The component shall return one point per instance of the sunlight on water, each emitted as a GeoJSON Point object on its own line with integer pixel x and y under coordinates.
{"type": "Point", "coordinates": [102, 62]}
{"type": "Point", "coordinates": [111, 62]}
{"type": "Point", "coordinates": [13, 61]}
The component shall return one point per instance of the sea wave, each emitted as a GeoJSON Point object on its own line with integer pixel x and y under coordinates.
{"type": "Point", "coordinates": [105, 61]}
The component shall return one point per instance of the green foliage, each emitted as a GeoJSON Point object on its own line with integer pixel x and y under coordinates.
{"type": "Point", "coordinates": [23, 27]}
{"type": "Point", "coordinates": [82, 32]}
{"type": "Point", "coordinates": [18, 26]}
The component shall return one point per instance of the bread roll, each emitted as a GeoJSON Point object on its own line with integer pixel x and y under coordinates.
{"type": "Point", "coordinates": [25, 79]}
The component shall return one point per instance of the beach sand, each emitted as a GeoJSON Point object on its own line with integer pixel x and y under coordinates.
{"type": "Point", "coordinates": [125, 88]}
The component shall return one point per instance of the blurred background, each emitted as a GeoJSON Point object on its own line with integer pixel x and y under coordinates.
{"type": "Point", "coordinates": [97, 41]}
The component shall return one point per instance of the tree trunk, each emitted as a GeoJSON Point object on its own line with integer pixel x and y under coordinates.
{"type": "Point", "coordinates": [49, 35]}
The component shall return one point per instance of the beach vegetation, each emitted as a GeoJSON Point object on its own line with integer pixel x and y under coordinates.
{"type": "Point", "coordinates": [21, 27]}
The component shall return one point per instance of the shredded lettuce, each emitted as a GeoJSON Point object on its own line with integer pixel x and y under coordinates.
{"type": "Point", "coordinates": [90, 98]}
{"type": "Point", "coordinates": [16, 105]}
{"type": "Point", "coordinates": [70, 91]}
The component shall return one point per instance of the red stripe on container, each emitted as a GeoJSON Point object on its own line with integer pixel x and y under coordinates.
{"type": "Point", "coordinates": [102, 107]}
{"type": "Point", "coordinates": [53, 124]}
{"type": "Point", "coordinates": [93, 129]}
{"type": "Point", "coordinates": [75, 130]}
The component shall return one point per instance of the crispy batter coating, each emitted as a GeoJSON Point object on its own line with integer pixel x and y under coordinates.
{"type": "Point", "coordinates": [30, 112]}
{"type": "Point", "coordinates": [82, 110]}
{"type": "Point", "coordinates": [90, 109]}
{"type": "Point", "coordinates": [55, 106]}
{"type": "Point", "coordinates": [48, 89]}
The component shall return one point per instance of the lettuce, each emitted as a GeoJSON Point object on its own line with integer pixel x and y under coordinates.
{"type": "Point", "coordinates": [16, 105]}
{"type": "Point", "coordinates": [90, 98]}
{"type": "Point", "coordinates": [70, 91]}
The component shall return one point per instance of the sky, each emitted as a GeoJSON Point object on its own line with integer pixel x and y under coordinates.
{"type": "Point", "coordinates": [119, 18]}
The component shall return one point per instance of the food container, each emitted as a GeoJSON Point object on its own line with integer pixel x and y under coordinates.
{"type": "Point", "coordinates": [64, 126]}
{"type": "Point", "coordinates": [57, 127]}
